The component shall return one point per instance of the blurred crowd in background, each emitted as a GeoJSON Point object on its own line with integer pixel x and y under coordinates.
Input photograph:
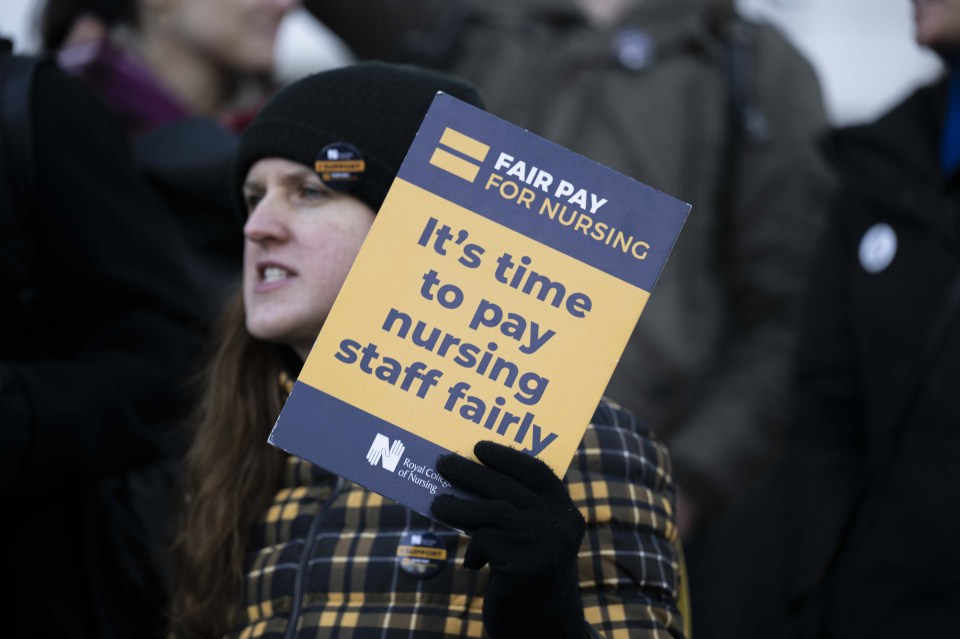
{"type": "Point", "coordinates": [796, 358]}
{"type": "Point", "coordinates": [863, 50]}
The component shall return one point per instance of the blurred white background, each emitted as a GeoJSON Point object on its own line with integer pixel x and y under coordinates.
{"type": "Point", "coordinates": [863, 50]}
{"type": "Point", "coordinates": [303, 46]}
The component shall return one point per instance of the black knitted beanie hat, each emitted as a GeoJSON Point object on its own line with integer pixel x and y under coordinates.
{"type": "Point", "coordinates": [374, 107]}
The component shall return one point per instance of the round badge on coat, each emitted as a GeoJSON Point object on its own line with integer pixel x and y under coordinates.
{"type": "Point", "coordinates": [878, 248]}
{"type": "Point", "coordinates": [421, 554]}
{"type": "Point", "coordinates": [635, 49]}
{"type": "Point", "coordinates": [340, 166]}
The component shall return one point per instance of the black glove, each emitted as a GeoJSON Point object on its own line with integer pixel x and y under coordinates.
{"type": "Point", "coordinates": [527, 528]}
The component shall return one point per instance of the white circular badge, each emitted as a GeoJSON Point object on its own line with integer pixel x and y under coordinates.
{"type": "Point", "coordinates": [878, 248]}
{"type": "Point", "coordinates": [634, 49]}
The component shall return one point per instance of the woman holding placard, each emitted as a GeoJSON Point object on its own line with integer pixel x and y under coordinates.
{"type": "Point", "coordinates": [272, 546]}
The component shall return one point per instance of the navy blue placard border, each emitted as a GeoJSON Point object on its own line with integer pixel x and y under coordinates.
{"type": "Point", "coordinates": [632, 206]}
{"type": "Point", "coordinates": [348, 433]}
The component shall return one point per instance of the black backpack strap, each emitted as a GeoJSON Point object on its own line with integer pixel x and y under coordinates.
{"type": "Point", "coordinates": [18, 181]}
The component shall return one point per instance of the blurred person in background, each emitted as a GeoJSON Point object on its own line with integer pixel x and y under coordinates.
{"type": "Point", "coordinates": [692, 100]}
{"type": "Point", "coordinates": [159, 61]}
{"type": "Point", "coordinates": [688, 97]}
{"type": "Point", "coordinates": [870, 471]}
{"type": "Point", "coordinates": [101, 329]}
{"type": "Point", "coordinates": [182, 77]}
{"type": "Point", "coordinates": [133, 226]}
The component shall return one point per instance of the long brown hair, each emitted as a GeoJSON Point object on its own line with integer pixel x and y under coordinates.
{"type": "Point", "coordinates": [231, 474]}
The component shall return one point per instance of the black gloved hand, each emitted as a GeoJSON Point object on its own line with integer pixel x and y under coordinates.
{"type": "Point", "coordinates": [527, 528]}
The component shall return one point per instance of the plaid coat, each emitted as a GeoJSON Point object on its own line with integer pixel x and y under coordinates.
{"type": "Point", "coordinates": [337, 557]}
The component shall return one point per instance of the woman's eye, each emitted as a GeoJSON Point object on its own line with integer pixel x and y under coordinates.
{"type": "Point", "coordinates": [251, 200]}
{"type": "Point", "coordinates": [313, 193]}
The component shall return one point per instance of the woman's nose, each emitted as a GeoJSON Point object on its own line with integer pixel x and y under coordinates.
{"type": "Point", "coordinates": [265, 222]}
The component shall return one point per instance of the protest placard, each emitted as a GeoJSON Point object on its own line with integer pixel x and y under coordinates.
{"type": "Point", "coordinates": [491, 300]}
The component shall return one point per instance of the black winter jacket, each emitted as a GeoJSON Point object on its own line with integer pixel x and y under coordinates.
{"type": "Point", "coordinates": [93, 368]}
{"type": "Point", "coordinates": [873, 547]}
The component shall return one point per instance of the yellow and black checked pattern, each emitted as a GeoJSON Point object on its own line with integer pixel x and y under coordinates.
{"type": "Point", "coordinates": [354, 588]}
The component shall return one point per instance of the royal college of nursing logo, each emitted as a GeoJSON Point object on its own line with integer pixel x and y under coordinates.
{"type": "Point", "coordinates": [384, 453]}
{"type": "Point", "coordinates": [455, 164]}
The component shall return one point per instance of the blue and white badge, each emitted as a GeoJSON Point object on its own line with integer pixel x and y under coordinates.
{"type": "Point", "coordinates": [421, 554]}
{"type": "Point", "coordinates": [340, 166]}
{"type": "Point", "coordinates": [878, 248]}
{"type": "Point", "coordinates": [634, 49]}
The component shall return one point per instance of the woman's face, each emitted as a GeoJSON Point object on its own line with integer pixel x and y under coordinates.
{"type": "Point", "coordinates": [938, 23]}
{"type": "Point", "coordinates": [237, 34]}
{"type": "Point", "coordinates": [301, 239]}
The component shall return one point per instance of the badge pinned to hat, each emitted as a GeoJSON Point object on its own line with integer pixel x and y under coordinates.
{"type": "Point", "coordinates": [340, 166]}
{"type": "Point", "coordinates": [353, 124]}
